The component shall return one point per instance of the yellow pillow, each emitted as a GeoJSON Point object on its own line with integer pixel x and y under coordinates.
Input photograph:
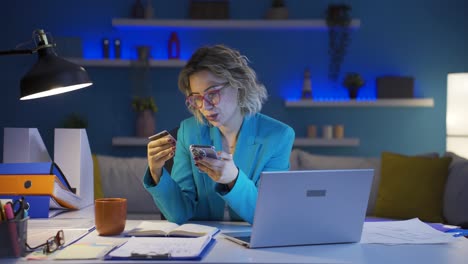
{"type": "Point", "coordinates": [412, 187]}
{"type": "Point", "coordinates": [98, 193]}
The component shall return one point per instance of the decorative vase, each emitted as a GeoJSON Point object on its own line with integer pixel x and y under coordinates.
{"type": "Point", "coordinates": [353, 92]}
{"type": "Point", "coordinates": [173, 46]}
{"type": "Point", "coordinates": [145, 123]}
{"type": "Point", "coordinates": [277, 13]}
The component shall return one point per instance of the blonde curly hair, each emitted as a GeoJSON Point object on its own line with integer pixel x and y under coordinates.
{"type": "Point", "coordinates": [230, 65]}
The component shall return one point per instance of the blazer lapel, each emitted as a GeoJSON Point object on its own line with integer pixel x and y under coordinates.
{"type": "Point", "coordinates": [246, 151]}
{"type": "Point", "coordinates": [215, 136]}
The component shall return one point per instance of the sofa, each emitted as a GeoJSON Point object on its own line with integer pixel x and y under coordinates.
{"type": "Point", "coordinates": [122, 177]}
{"type": "Point", "coordinates": [452, 181]}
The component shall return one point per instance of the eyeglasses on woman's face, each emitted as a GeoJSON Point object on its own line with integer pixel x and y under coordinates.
{"type": "Point", "coordinates": [213, 97]}
{"type": "Point", "coordinates": [52, 244]}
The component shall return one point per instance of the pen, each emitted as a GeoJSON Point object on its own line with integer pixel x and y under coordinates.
{"type": "Point", "coordinates": [12, 229]}
{"type": "Point", "coordinates": [9, 212]}
{"type": "Point", "coordinates": [458, 232]}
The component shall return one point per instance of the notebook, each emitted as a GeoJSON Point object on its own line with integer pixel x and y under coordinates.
{"type": "Point", "coordinates": [308, 207]}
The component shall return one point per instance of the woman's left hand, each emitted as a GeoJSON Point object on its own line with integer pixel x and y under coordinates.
{"type": "Point", "coordinates": [222, 170]}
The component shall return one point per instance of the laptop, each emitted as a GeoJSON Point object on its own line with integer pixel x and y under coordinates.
{"type": "Point", "coordinates": [308, 207]}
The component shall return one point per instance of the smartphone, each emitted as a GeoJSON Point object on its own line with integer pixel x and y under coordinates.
{"type": "Point", "coordinates": [201, 151]}
{"type": "Point", "coordinates": [159, 135]}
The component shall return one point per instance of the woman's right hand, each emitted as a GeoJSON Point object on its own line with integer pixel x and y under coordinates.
{"type": "Point", "coordinates": [159, 151]}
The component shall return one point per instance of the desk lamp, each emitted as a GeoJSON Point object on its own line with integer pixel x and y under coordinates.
{"type": "Point", "coordinates": [457, 109]}
{"type": "Point", "coordinates": [51, 74]}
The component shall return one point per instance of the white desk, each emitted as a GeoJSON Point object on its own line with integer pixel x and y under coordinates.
{"type": "Point", "coordinates": [225, 251]}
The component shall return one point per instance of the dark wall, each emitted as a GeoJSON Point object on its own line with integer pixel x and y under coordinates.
{"type": "Point", "coordinates": [423, 39]}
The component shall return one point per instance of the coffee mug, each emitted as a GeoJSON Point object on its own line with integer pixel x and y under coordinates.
{"type": "Point", "coordinates": [110, 215]}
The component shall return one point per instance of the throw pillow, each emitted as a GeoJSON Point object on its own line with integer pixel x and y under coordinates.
{"type": "Point", "coordinates": [412, 187]}
{"type": "Point", "coordinates": [456, 192]}
{"type": "Point", "coordinates": [293, 160]}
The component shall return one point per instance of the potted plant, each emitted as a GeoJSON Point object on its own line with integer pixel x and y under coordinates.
{"type": "Point", "coordinates": [353, 82]}
{"type": "Point", "coordinates": [74, 120]}
{"type": "Point", "coordinates": [145, 108]}
{"type": "Point", "coordinates": [338, 21]}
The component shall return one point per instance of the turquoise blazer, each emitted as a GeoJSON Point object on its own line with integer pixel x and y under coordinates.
{"type": "Point", "coordinates": [263, 144]}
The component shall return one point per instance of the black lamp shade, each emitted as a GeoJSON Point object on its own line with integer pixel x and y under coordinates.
{"type": "Point", "coordinates": [52, 75]}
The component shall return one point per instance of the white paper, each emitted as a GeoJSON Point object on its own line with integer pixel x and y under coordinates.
{"type": "Point", "coordinates": [84, 251]}
{"type": "Point", "coordinates": [411, 231]}
{"type": "Point", "coordinates": [173, 247]}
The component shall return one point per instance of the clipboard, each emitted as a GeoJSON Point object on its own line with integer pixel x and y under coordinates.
{"type": "Point", "coordinates": [159, 255]}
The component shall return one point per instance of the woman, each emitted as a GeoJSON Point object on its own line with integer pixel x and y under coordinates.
{"type": "Point", "coordinates": [225, 98]}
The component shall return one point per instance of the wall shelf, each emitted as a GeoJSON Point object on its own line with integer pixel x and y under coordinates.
{"type": "Point", "coordinates": [318, 142]}
{"type": "Point", "coordinates": [322, 142]}
{"type": "Point", "coordinates": [129, 141]}
{"type": "Point", "coordinates": [123, 23]}
{"type": "Point", "coordinates": [126, 63]}
{"type": "Point", "coordinates": [410, 102]}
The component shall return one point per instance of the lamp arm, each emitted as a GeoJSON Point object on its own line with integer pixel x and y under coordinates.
{"type": "Point", "coordinates": [15, 52]}
{"type": "Point", "coordinates": [42, 43]}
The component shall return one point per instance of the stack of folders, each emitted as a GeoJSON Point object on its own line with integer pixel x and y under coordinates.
{"type": "Point", "coordinates": [43, 184]}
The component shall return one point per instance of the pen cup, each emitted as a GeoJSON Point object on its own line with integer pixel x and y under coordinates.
{"type": "Point", "coordinates": [13, 236]}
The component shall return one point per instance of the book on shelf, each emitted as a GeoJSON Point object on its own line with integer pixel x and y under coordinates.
{"type": "Point", "coordinates": [159, 248]}
{"type": "Point", "coordinates": [164, 228]}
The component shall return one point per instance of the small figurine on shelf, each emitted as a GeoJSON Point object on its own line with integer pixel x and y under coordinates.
{"type": "Point", "coordinates": [173, 46]}
{"type": "Point", "coordinates": [307, 85]}
{"type": "Point", "coordinates": [138, 10]}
